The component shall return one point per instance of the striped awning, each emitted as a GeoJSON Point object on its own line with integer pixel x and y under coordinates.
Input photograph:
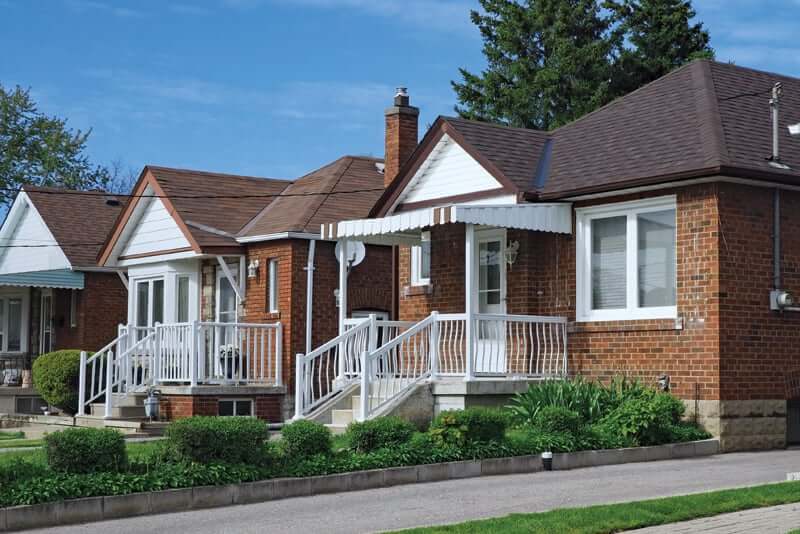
{"type": "Point", "coordinates": [58, 278]}
{"type": "Point", "coordinates": [403, 228]}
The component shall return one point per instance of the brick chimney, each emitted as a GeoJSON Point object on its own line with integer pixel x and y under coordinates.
{"type": "Point", "coordinates": [401, 134]}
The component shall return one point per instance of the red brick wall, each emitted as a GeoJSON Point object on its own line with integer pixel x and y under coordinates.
{"type": "Point", "coordinates": [542, 282]}
{"type": "Point", "coordinates": [267, 407]}
{"type": "Point", "coordinates": [760, 348]}
{"type": "Point", "coordinates": [369, 285]}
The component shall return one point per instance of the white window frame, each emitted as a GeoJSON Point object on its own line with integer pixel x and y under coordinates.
{"type": "Point", "coordinates": [416, 262]}
{"type": "Point", "coordinates": [10, 294]}
{"type": "Point", "coordinates": [274, 304]}
{"type": "Point", "coordinates": [46, 323]}
{"type": "Point", "coordinates": [583, 244]}
{"type": "Point", "coordinates": [220, 276]}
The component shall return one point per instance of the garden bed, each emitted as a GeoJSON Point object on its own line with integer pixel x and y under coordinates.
{"type": "Point", "coordinates": [98, 508]}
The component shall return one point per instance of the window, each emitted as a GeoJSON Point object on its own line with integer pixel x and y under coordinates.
{"type": "Point", "coordinates": [273, 286]}
{"type": "Point", "coordinates": [13, 322]}
{"type": "Point", "coordinates": [46, 322]}
{"type": "Point", "coordinates": [73, 308]}
{"type": "Point", "coordinates": [421, 261]}
{"type": "Point", "coordinates": [626, 261]}
{"type": "Point", "coordinates": [242, 407]}
{"type": "Point", "coordinates": [182, 293]}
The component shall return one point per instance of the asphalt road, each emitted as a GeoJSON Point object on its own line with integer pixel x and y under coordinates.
{"type": "Point", "coordinates": [459, 500]}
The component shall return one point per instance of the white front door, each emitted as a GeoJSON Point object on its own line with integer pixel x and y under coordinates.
{"type": "Point", "coordinates": [490, 339]}
{"type": "Point", "coordinates": [46, 322]}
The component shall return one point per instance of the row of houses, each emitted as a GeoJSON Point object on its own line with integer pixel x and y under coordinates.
{"type": "Point", "coordinates": [655, 238]}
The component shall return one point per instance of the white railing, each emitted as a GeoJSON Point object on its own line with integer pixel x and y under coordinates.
{"type": "Point", "coordinates": [180, 353]}
{"type": "Point", "coordinates": [239, 353]}
{"type": "Point", "coordinates": [397, 366]}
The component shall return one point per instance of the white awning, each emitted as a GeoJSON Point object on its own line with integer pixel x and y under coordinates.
{"type": "Point", "coordinates": [403, 227]}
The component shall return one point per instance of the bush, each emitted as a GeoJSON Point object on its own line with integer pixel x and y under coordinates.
{"type": "Point", "coordinates": [648, 419]}
{"type": "Point", "coordinates": [588, 399]}
{"type": "Point", "coordinates": [557, 419]}
{"type": "Point", "coordinates": [86, 450]}
{"type": "Point", "coordinates": [303, 439]}
{"type": "Point", "coordinates": [56, 376]}
{"type": "Point", "coordinates": [473, 425]}
{"type": "Point", "coordinates": [378, 433]}
{"type": "Point", "coordinates": [231, 440]}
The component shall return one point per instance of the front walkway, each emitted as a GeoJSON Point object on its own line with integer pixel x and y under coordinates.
{"type": "Point", "coordinates": [474, 498]}
{"type": "Point", "coordinates": [773, 520]}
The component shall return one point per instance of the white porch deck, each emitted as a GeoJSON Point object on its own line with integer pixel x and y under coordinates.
{"type": "Point", "coordinates": [192, 354]}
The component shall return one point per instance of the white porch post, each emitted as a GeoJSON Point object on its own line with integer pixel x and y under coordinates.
{"type": "Point", "coordinates": [469, 305]}
{"type": "Point", "coordinates": [82, 385]}
{"type": "Point", "coordinates": [342, 305]}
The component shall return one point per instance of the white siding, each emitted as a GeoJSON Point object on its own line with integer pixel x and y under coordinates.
{"type": "Point", "coordinates": [154, 231]}
{"type": "Point", "coordinates": [28, 228]}
{"type": "Point", "coordinates": [449, 171]}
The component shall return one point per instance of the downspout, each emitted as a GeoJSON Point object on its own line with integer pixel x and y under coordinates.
{"type": "Point", "coordinates": [309, 291]}
{"type": "Point", "coordinates": [776, 239]}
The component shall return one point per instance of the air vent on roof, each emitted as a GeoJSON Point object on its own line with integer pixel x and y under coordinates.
{"type": "Point", "coordinates": [111, 200]}
{"type": "Point", "coordinates": [381, 167]}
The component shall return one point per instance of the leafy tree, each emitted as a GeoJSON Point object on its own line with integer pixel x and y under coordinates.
{"type": "Point", "coordinates": [548, 62]}
{"type": "Point", "coordinates": [552, 61]}
{"type": "Point", "coordinates": [41, 150]}
{"type": "Point", "coordinates": [660, 38]}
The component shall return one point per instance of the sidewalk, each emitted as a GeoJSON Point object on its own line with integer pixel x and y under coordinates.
{"type": "Point", "coordinates": [773, 520]}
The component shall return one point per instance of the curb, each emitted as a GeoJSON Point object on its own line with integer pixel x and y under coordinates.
{"type": "Point", "coordinates": [93, 509]}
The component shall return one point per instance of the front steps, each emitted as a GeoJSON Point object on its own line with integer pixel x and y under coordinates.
{"type": "Point", "coordinates": [127, 416]}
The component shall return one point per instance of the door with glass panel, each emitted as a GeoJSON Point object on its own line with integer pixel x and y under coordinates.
{"type": "Point", "coordinates": [490, 334]}
{"type": "Point", "coordinates": [229, 360]}
{"type": "Point", "coordinates": [148, 305]}
{"type": "Point", "coordinates": [46, 322]}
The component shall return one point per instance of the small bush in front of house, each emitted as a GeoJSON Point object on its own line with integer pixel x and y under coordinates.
{"type": "Point", "coordinates": [303, 439]}
{"type": "Point", "coordinates": [647, 420]}
{"type": "Point", "coordinates": [231, 440]}
{"type": "Point", "coordinates": [558, 419]}
{"type": "Point", "coordinates": [55, 376]}
{"type": "Point", "coordinates": [378, 433]}
{"type": "Point", "coordinates": [462, 427]}
{"type": "Point", "coordinates": [86, 450]}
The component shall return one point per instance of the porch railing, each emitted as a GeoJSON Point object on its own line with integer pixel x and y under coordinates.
{"type": "Point", "coordinates": [180, 353]}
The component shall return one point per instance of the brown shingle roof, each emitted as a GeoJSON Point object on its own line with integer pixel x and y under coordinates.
{"type": "Point", "coordinates": [300, 213]}
{"type": "Point", "coordinates": [78, 220]}
{"type": "Point", "coordinates": [214, 222]}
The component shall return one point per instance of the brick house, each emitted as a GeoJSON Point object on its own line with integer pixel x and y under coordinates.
{"type": "Point", "coordinates": [656, 237]}
{"type": "Point", "coordinates": [52, 294]}
{"type": "Point", "coordinates": [228, 281]}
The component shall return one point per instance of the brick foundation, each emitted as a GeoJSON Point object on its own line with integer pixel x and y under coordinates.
{"type": "Point", "coordinates": [267, 407]}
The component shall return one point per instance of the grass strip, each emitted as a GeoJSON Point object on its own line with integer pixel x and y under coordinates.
{"type": "Point", "coordinates": [6, 435]}
{"type": "Point", "coordinates": [14, 443]}
{"type": "Point", "coordinates": [605, 519]}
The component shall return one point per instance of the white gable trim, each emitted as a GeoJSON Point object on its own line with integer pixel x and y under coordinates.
{"type": "Point", "coordinates": [150, 229]}
{"type": "Point", "coordinates": [24, 225]}
{"type": "Point", "coordinates": [448, 171]}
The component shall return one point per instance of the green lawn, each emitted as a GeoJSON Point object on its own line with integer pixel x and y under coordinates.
{"type": "Point", "coordinates": [36, 455]}
{"type": "Point", "coordinates": [619, 517]}
{"type": "Point", "coordinates": [14, 443]}
{"type": "Point", "coordinates": [8, 435]}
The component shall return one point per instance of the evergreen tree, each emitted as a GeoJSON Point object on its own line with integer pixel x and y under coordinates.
{"type": "Point", "coordinates": [40, 150]}
{"type": "Point", "coordinates": [552, 61]}
{"type": "Point", "coordinates": [659, 37]}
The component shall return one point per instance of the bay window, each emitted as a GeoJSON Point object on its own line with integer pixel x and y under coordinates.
{"type": "Point", "coordinates": [626, 261]}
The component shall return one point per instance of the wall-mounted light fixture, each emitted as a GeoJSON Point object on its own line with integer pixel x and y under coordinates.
{"type": "Point", "coordinates": [252, 269]}
{"type": "Point", "coordinates": [512, 251]}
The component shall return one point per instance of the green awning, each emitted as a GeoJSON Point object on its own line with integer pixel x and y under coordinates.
{"type": "Point", "coordinates": [60, 278]}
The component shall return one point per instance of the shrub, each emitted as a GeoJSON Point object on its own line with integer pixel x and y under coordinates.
{"type": "Point", "coordinates": [378, 433]}
{"type": "Point", "coordinates": [557, 419]}
{"type": "Point", "coordinates": [55, 376]}
{"type": "Point", "coordinates": [86, 450]}
{"type": "Point", "coordinates": [647, 419]}
{"type": "Point", "coordinates": [684, 431]}
{"type": "Point", "coordinates": [231, 440]}
{"type": "Point", "coordinates": [303, 439]}
{"type": "Point", "coordinates": [473, 425]}
{"type": "Point", "coordinates": [588, 399]}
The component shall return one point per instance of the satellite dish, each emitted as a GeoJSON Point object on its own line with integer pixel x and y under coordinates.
{"type": "Point", "coordinates": [356, 251]}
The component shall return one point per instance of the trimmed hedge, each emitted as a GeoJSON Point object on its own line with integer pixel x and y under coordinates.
{"type": "Point", "coordinates": [302, 439]}
{"type": "Point", "coordinates": [55, 376]}
{"type": "Point", "coordinates": [555, 419]}
{"type": "Point", "coordinates": [473, 425]}
{"type": "Point", "coordinates": [378, 433]}
{"type": "Point", "coordinates": [218, 439]}
{"type": "Point", "coordinates": [86, 450]}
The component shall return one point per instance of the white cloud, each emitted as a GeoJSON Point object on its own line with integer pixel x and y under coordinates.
{"type": "Point", "coordinates": [89, 5]}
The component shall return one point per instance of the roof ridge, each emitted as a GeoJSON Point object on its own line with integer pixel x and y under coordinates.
{"type": "Point", "coordinates": [708, 115]}
{"type": "Point", "coordinates": [448, 118]}
{"type": "Point", "coordinates": [323, 198]}
{"type": "Point", "coordinates": [212, 173]}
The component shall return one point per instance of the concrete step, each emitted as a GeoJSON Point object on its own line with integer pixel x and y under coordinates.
{"type": "Point", "coordinates": [118, 412]}
{"type": "Point", "coordinates": [131, 399]}
{"type": "Point", "coordinates": [342, 417]}
{"type": "Point", "coordinates": [337, 429]}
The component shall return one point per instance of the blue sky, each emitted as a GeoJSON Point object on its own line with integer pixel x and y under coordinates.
{"type": "Point", "coordinates": [279, 87]}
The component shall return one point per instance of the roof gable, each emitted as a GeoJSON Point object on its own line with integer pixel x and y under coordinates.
{"type": "Point", "coordinates": [448, 171]}
{"type": "Point", "coordinates": [22, 228]}
{"type": "Point", "coordinates": [154, 230]}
